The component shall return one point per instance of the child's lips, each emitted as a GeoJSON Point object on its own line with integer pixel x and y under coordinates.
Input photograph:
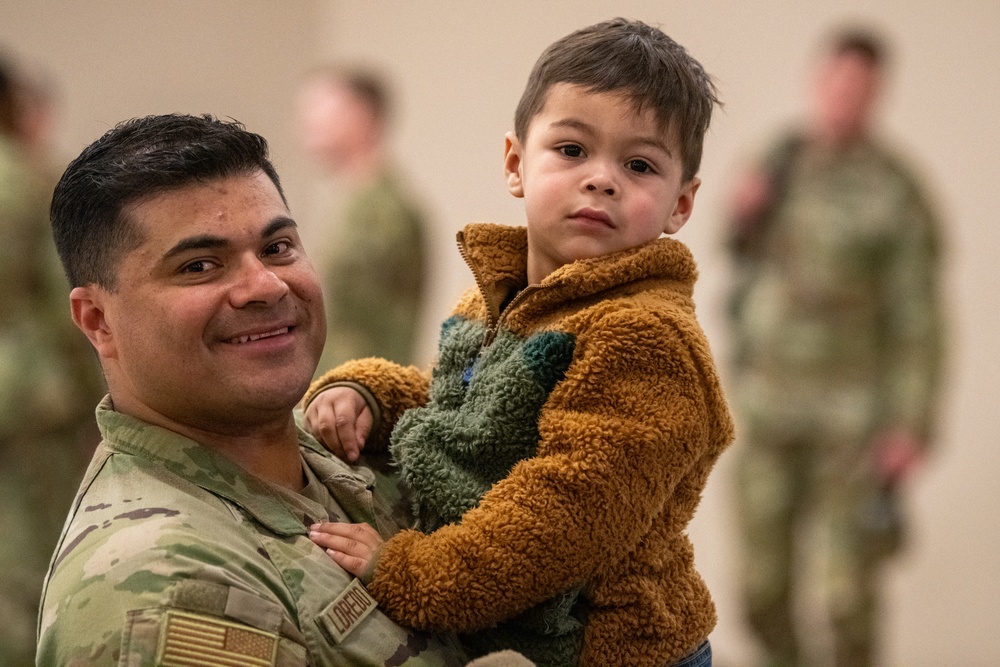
{"type": "Point", "coordinates": [593, 214]}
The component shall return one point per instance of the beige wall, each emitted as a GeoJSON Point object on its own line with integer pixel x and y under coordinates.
{"type": "Point", "coordinates": [460, 67]}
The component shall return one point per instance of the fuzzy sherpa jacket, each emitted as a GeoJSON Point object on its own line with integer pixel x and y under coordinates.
{"type": "Point", "coordinates": [558, 453]}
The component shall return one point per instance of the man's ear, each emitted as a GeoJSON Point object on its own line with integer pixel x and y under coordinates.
{"type": "Point", "coordinates": [683, 207]}
{"type": "Point", "coordinates": [87, 306]}
{"type": "Point", "coordinates": [512, 164]}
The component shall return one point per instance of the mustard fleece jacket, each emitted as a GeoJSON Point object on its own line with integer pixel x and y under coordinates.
{"type": "Point", "coordinates": [556, 457]}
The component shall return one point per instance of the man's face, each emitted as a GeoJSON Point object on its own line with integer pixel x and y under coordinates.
{"type": "Point", "coordinates": [597, 176]}
{"type": "Point", "coordinates": [847, 89]}
{"type": "Point", "coordinates": [334, 124]}
{"type": "Point", "coordinates": [217, 322]}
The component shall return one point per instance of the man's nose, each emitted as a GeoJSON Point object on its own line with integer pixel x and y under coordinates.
{"type": "Point", "coordinates": [257, 283]}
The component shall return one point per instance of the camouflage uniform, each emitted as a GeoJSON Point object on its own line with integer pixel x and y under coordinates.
{"type": "Point", "coordinates": [375, 280]}
{"type": "Point", "coordinates": [174, 555]}
{"type": "Point", "coordinates": [836, 337]}
{"type": "Point", "coordinates": [49, 381]}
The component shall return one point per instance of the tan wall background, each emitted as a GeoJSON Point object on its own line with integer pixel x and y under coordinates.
{"type": "Point", "coordinates": [459, 67]}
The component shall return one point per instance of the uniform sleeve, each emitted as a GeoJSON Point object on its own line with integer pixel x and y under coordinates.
{"type": "Point", "coordinates": [394, 387]}
{"type": "Point", "coordinates": [636, 424]}
{"type": "Point", "coordinates": [914, 320]}
{"type": "Point", "coordinates": [132, 588]}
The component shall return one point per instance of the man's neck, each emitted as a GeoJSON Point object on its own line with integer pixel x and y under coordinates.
{"type": "Point", "coordinates": [267, 449]}
{"type": "Point", "coordinates": [362, 168]}
{"type": "Point", "coordinates": [274, 459]}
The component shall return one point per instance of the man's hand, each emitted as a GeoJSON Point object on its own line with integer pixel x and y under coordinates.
{"type": "Point", "coordinates": [898, 452]}
{"type": "Point", "coordinates": [352, 546]}
{"type": "Point", "coordinates": [340, 418]}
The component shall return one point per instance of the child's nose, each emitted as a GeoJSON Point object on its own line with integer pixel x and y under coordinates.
{"type": "Point", "coordinates": [601, 180]}
{"type": "Point", "coordinates": [608, 189]}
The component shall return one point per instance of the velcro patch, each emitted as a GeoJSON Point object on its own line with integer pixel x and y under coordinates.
{"type": "Point", "coordinates": [346, 612]}
{"type": "Point", "coordinates": [194, 640]}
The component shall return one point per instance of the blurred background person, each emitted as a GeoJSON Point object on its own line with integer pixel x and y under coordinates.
{"type": "Point", "coordinates": [49, 381]}
{"type": "Point", "coordinates": [836, 336]}
{"type": "Point", "coordinates": [375, 265]}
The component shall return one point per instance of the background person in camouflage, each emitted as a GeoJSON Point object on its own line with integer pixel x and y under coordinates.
{"type": "Point", "coordinates": [49, 382]}
{"type": "Point", "coordinates": [836, 334]}
{"type": "Point", "coordinates": [375, 268]}
{"type": "Point", "coordinates": [187, 541]}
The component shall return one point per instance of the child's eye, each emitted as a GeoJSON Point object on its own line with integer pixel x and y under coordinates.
{"type": "Point", "coordinates": [571, 150]}
{"type": "Point", "coordinates": [640, 166]}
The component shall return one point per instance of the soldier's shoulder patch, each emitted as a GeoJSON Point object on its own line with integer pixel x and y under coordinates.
{"type": "Point", "coordinates": [190, 640]}
{"type": "Point", "coordinates": [345, 613]}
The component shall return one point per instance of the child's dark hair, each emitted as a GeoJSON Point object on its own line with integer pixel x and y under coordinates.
{"type": "Point", "coordinates": [641, 62]}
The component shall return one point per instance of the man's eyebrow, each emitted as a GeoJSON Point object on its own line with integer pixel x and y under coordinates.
{"type": "Point", "coordinates": [200, 242]}
{"type": "Point", "coordinates": [277, 225]}
{"type": "Point", "coordinates": [207, 241]}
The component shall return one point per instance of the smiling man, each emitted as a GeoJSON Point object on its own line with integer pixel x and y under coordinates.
{"type": "Point", "coordinates": [187, 542]}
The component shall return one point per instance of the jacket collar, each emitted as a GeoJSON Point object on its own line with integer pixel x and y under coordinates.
{"type": "Point", "coordinates": [498, 257]}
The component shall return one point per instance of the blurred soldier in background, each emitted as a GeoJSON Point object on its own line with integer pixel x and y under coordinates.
{"type": "Point", "coordinates": [836, 334]}
{"type": "Point", "coordinates": [49, 380]}
{"type": "Point", "coordinates": [376, 266]}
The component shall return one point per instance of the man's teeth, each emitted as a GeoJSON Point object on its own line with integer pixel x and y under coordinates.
{"type": "Point", "coordinates": [247, 339]}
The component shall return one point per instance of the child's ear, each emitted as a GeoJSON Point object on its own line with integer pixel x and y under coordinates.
{"type": "Point", "coordinates": [88, 310]}
{"type": "Point", "coordinates": [512, 164]}
{"type": "Point", "coordinates": [683, 207]}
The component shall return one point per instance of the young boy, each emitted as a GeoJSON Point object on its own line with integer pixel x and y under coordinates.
{"type": "Point", "coordinates": [560, 448]}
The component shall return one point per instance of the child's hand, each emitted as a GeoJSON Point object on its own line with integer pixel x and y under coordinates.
{"type": "Point", "coordinates": [340, 418]}
{"type": "Point", "coordinates": [351, 545]}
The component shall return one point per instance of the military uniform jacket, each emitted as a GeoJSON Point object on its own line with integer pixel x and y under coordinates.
{"type": "Point", "coordinates": [375, 275]}
{"type": "Point", "coordinates": [173, 555]}
{"type": "Point", "coordinates": [559, 450]}
{"type": "Point", "coordinates": [836, 287]}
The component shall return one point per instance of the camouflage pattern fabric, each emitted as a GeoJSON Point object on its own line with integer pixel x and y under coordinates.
{"type": "Point", "coordinates": [375, 278]}
{"type": "Point", "coordinates": [173, 555]}
{"type": "Point", "coordinates": [837, 336]}
{"type": "Point", "coordinates": [49, 382]}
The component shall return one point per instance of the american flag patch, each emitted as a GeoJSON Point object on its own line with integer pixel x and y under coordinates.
{"type": "Point", "coordinates": [193, 640]}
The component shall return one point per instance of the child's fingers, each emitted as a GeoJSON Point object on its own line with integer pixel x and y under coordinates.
{"type": "Point", "coordinates": [352, 564]}
{"type": "Point", "coordinates": [350, 545]}
{"type": "Point", "coordinates": [322, 423]}
{"type": "Point", "coordinates": [346, 428]}
{"type": "Point", "coordinates": [356, 539]}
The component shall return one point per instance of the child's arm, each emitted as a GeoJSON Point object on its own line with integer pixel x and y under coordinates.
{"type": "Point", "coordinates": [392, 390]}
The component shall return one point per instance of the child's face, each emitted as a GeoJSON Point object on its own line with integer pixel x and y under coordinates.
{"type": "Point", "coordinates": [596, 177]}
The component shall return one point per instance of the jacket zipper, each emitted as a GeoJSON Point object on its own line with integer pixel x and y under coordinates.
{"type": "Point", "coordinates": [492, 323]}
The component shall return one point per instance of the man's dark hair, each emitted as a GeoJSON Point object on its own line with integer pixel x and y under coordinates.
{"type": "Point", "coordinates": [365, 84]}
{"type": "Point", "coordinates": [861, 41]}
{"type": "Point", "coordinates": [135, 160]}
{"type": "Point", "coordinates": [8, 107]}
{"type": "Point", "coordinates": [638, 60]}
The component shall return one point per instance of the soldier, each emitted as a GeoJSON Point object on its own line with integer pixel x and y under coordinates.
{"type": "Point", "coordinates": [836, 333]}
{"type": "Point", "coordinates": [187, 541]}
{"type": "Point", "coordinates": [375, 270]}
{"type": "Point", "coordinates": [49, 382]}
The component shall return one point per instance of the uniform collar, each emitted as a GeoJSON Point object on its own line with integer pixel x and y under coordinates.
{"type": "Point", "coordinates": [199, 465]}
